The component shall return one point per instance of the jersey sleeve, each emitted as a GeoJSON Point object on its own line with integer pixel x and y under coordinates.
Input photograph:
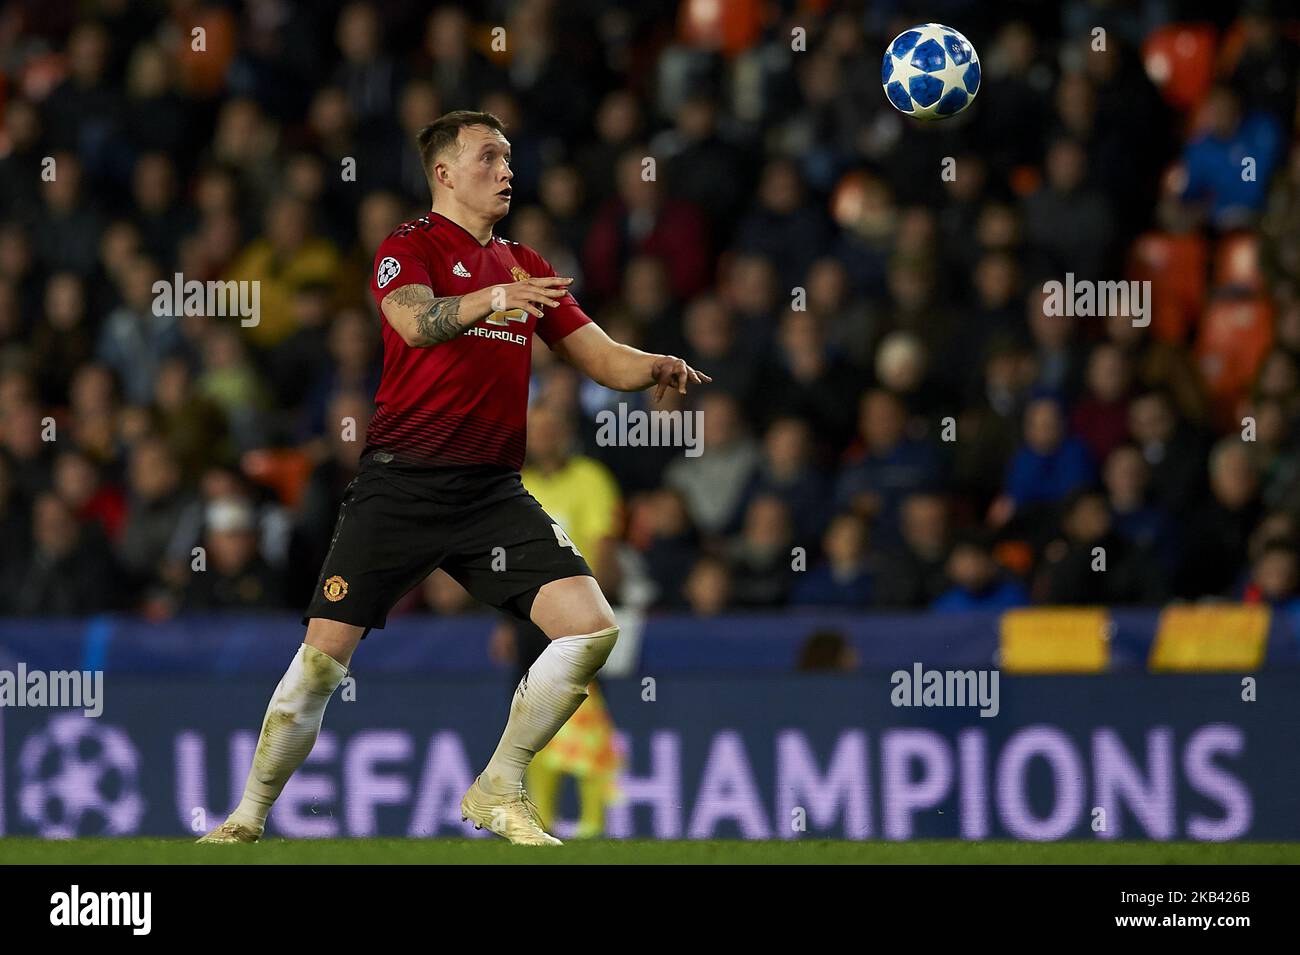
{"type": "Point", "coordinates": [565, 317]}
{"type": "Point", "coordinates": [397, 263]}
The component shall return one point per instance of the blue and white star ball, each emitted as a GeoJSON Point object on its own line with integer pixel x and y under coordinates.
{"type": "Point", "coordinates": [930, 72]}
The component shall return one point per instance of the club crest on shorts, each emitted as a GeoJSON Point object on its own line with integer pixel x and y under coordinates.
{"type": "Point", "coordinates": [336, 588]}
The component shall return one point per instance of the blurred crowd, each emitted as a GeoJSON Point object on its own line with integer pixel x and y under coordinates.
{"type": "Point", "coordinates": [896, 419]}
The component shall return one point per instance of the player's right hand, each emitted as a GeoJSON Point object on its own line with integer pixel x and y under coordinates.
{"type": "Point", "coordinates": [533, 295]}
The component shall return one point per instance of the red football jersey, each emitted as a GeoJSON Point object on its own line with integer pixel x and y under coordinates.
{"type": "Point", "coordinates": [463, 402]}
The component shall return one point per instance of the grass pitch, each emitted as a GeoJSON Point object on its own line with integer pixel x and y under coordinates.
{"type": "Point", "coordinates": [621, 852]}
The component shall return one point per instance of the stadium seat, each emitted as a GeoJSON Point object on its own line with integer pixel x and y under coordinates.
{"type": "Point", "coordinates": [727, 26]}
{"type": "Point", "coordinates": [1236, 263]}
{"type": "Point", "coordinates": [284, 470]}
{"type": "Point", "coordinates": [1016, 556]}
{"type": "Point", "coordinates": [1055, 640]}
{"type": "Point", "coordinates": [1232, 340]}
{"type": "Point", "coordinates": [1179, 58]}
{"type": "Point", "coordinates": [1025, 180]}
{"type": "Point", "coordinates": [1214, 638]}
{"type": "Point", "coordinates": [1175, 265]}
{"type": "Point", "coordinates": [204, 70]}
{"type": "Point", "coordinates": [1231, 45]}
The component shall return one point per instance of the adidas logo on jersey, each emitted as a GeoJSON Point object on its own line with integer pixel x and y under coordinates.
{"type": "Point", "coordinates": [459, 269]}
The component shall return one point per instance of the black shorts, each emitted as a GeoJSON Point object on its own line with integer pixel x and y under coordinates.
{"type": "Point", "coordinates": [399, 522]}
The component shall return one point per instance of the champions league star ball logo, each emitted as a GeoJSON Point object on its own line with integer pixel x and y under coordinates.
{"type": "Point", "coordinates": [388, 269]}
{"type": "Point", "coordinates": [930, 72]}
{"type": "Point", "coordinates": [79, 778]}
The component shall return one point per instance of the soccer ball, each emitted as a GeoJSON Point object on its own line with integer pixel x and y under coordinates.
{"type": "Point", "coordinates": [930, 72]}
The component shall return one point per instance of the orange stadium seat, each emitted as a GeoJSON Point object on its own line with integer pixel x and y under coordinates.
{"type": "Point", "coordinates": [1236, 263]}
{"type": "Point", "coordinates": [1232, 340]}
{"type": "Point", "coordinates": [284, 470]}
{"type": "Point", "coordinates": [1015, 555]}
{"type": "Point", "coordinates": [203, 71]}
{"type": "Point", "coordinates": [1025, 180]}
{"type": "Point", "coordinates": [1055, 640]}
{"type": "Point", "coordinates": [1179, 58]}
{"type": "Point", "coordinates": [1175, 265]}
{"type": "Point", "coordinates": [1216, 638]}
{"type": "Point", "coordinates": [728, 26]}
{"type": "Point", "coordinates": [1230, 49]}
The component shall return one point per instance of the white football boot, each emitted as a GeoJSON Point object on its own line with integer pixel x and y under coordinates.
{"type": "Point", "coordinates": [230, 832]}
{"type": "Point", "coordinates": [513, 816]}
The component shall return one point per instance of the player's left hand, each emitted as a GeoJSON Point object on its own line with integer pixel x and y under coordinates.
{"type": "Point", "coordinates": [669, 371]}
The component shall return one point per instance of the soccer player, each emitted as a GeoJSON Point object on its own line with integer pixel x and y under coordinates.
{"type": "Point", "coordinates": [439, 481]}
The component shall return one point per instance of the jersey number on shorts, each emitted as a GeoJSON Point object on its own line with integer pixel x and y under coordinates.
{"type": "Point", "coordinates": [562, 539]}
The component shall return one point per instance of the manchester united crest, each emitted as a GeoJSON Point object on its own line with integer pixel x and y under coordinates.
{"type": "Point", "coordinates": [336, 588]}
{"type": "Point", "coordinates": [515, 314]}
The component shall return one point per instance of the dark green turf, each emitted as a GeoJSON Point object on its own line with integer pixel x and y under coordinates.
{"type": "Point", "coordinates": [473, 852]}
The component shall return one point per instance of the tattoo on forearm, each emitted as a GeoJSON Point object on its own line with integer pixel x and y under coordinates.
{"type": "Point", "coordinates": [437, 320]}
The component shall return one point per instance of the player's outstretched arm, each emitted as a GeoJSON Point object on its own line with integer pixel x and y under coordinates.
{"type": "Point", "coordinates": [623, 367]}
{"type": "Point", "coordinates": [424, 319]}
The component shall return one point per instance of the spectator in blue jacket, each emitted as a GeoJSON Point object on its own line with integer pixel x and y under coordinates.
{"type": "Point", "coordinates": [1216, 160]}
{"type": "Point", "coordinates": [1049, 465]}
{"type": "Point", "coordinates": [789, 471]}
{"type": "Point", "coordinates": [890, 466]}
{"type": "Point", "coordinates": [977, 581]}
{"type": "Point", "coordinates": [135, 339]}
{"type": "Point", "coordinates": [1275, 577]}
{"type": "Point", "coordinates": [844, 578]}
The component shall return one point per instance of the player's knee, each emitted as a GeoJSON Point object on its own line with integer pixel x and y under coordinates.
{"type": "Point", "coordinates": [572, 607]}
{"type": "Point", "coordinates": [600, 615]}
{"type": "Point", "coordinates": [586, 653]}
{"type": "Point", "coordinates": [321, 673]}
{"type": "Point", "coordinates": [333, 639]}
{"type": "Point", "coordinates": [606, 636]}
{"type": "Point", "coordinates": [601, 645]}
{"type": "Point", "coordinates": [599, 620]}
{"type": "Point", "coordinates": [584, 623]}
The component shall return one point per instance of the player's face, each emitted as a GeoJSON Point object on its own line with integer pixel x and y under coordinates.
{"type": "Point", "coordinates": [482, 172]}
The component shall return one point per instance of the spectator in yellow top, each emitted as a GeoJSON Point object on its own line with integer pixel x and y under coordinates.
{"type": "Point", "coordinates": [582, 496]}
{"type": "Point", "coordinates": [288, 257]}
{"type": "Point", "coordinates": [578, 491]}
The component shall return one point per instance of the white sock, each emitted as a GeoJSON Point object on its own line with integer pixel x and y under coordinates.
{"type": "Point", "coordinates": [289, 731]}
{"type": "Point", "coordinates": [552, 689]}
